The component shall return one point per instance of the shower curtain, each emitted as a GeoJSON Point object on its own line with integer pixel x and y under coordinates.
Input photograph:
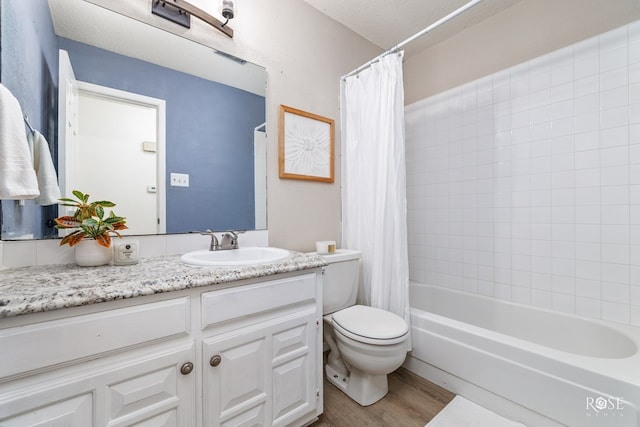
{"type": "Point", "coordinates": [374, 182]}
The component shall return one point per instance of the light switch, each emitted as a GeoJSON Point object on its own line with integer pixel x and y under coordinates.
{"type": "Point", "coordinates": [179, 180]}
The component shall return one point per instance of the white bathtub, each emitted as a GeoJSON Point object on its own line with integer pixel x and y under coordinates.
{"type": "Point", "coordinates": [535, 366]}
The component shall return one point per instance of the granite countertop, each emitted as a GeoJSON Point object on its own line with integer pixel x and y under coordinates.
{"type": "Point", "coordinates": [43, 288]}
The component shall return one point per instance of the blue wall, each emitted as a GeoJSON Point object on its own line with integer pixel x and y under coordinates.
{"type": "Point", "coordinates": [209, 136]}
{"type": "Point", "coordinates": [30, 71]}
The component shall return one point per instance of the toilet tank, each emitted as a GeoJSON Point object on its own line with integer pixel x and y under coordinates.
{"type": "Point", "coordinates": [340, 283]}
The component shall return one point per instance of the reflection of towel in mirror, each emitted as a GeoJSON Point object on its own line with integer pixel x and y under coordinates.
{"type": "Point", "coordinates": [17, 177]}
{"type": "Point", "coordinates": [45, 171]}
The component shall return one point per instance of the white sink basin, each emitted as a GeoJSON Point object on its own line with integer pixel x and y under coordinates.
{"type": "Point", "coordinates": [242, 256]}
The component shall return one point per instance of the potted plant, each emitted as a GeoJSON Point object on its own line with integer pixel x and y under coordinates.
{"type": "Point", "coordinates": [91, 222]}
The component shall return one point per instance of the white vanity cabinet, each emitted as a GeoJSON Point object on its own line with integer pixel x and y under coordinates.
{"type": "Point", "coordinates": [244, 355]}
{"type": "Point", "coordinates": [264, 358]}
{"type": "Point", "coordinates": [118, 367]}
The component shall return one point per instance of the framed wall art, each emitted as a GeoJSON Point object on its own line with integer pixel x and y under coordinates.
{"type": "Point", "coordinates": [305, 145]}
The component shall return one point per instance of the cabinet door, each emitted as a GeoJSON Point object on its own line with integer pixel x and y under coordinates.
{"type": "Point", "coordinates": [265, 375]}
{"type": "Point", "coordinates": [235, 389]}
{"type": "Point", "coordinates": [152, 392]}
{"type": "Point", "coordinates": [294, 364]}
{"type": "Point", "coordinates": [123, 391]}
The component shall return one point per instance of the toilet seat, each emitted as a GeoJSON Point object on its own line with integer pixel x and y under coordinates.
{"type": "Point", "coordinates": [370, 325]}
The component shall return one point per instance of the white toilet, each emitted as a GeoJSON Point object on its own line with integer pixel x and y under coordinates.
{"type": "Point", "coordinates": [365, 343]}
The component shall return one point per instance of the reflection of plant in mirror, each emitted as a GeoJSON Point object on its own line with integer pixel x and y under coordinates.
{"type": "Point", "coordinates": [89, 219]}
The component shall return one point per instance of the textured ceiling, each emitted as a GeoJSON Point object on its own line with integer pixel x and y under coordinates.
{"type": "Point", "coordinates": [386, 23]}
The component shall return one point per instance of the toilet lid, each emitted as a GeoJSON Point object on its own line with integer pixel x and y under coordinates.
{"type": "Point", "coordinates": [371, 323]}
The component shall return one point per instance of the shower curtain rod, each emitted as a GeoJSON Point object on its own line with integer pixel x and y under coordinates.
{"type": "Point", "coordinates": [415, 36]}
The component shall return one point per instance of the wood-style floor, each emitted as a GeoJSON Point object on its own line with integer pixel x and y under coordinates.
{"type": "Point", "coordinates": [412, 401]}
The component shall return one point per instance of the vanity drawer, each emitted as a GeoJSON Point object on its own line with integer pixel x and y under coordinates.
{"type": "Point", "coordinates": [26, 348]}
{"type": "Point", "coordinates": [234, 303]}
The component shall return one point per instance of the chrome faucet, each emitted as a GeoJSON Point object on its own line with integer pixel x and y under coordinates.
{"type": "Point", "coordinates": [229, 240]}
{"type": "Point", "coordinates": [214, 246]}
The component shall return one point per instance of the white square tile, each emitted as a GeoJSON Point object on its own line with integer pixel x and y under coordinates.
{"type": "Point", "coordinates": [589, 288]}
{"type": "Point", "coordinates": [49, 252]}
{"type": "Point", "coordinates": [634, 174]}
{"type": "Point", "coordinates": [563, 196]}
{"type": "Point", "coordinates": [634, 235]}
{"type": "Point", "coordinates": [563, 302]}
{"type": "Point", "coordinates": [585, 196]}
{"type": "Point", "coordinates": [615, 253]}
{"type": "Point", "coordinates": [541, 281]}
{"type": "Point", "coordinates": [561, 92]}
{"type": "Point", "coordinates": [634, 154]}
{"type": "Point", "coordinates": [615, 195]}
{"type": "Point", "coordinates": [613, 59]}
{"type": "Point", "coordinates": [612, 98]}
{"type": "Point", "coordinates": [615, 215]}
{"type": "Point", "coordinates": [152, 246]}
{"type": "Point", "coordinates": [588, 215]}
{"type": "Point", "coordinates": [539, 79]}
{"type": "Point", "coordinates": [614, 117]}
{"type": "Point", "coordinates": [587, 140]}
{"type": "Point", "coordinates": [615, 312]}
{"type": "Point", "coordinates": [541, 264]}
{"type": "Point", "coordinates": [634, 291]}
{"type": "Point", "coordinates": [635, 315]}
{"type": "Point", "coordinates": [590, 271]}
{"type": "Point", "coordinates": [634, 93]}
{"type": "Point", "coordinates": [588, 233]}
{"type": "Point", "coordinates": [541, 148]}
{"type": "Point", "coordinates": [587, 104]}
{"type": "Point", "coordinates": [634, 69]}
{"type": "Point", "coordinates": [561, 71]}
{"type": "Point", "coordinates": [614, 136]}
{"type": "Point", "coordinates": [616, 292]}
{"type": "Point", "coordinates": [634, 214]}
{"type": "Point", "coordinates": [178, 244]}
{"type": "Point", "coordinates": [562, 127]}
{"type": "Point", "coordinates": [614, 78]}
{"type": "Point", "coordinates": [616, 175]}
{"type": "Point", "coordinates": [566, 232]}
{"type": "Point", "coordinates": [615, 273]}
{"type": "Point", "coordinates": [586, 66]}
{"type": "Point", "coordinates": [563, 267]}
{"type": "Point", "coordinates": [587, 251]}
{"type": "Point", "coordinates": [587, 122]}
{"type": "Point", "coordinates": [616, 234]}
{"type": "Point", "coordinates": [633, 134]}
{"type": "Point", "coordinates": [587, 177]}
{"type": "Point", "coordinates": [564, 179]}
{"type": "Point", "coordinates": [540, 165]}
{"type": "Point", "coordinates": [586, 86]}
{"type": "Point", "coordinates": [541, 232]}
{"type": "Point", "coordinates": [19, 254]}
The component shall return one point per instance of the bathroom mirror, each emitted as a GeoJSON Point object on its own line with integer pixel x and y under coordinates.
{"type": "Point", "coordinates": [204, 151]}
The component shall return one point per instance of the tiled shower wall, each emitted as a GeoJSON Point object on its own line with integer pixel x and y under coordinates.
{"type": "Point", "coordinates": [525, 185]}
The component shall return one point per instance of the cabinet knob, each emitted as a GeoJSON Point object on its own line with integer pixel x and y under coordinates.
{"type": "Point", "coordinates": [186, 368]}
{"type": "Point", "coordinates": [215, 360]}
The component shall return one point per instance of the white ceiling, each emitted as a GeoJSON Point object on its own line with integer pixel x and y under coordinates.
{"type": "Point", "coordinates": [386, 23]}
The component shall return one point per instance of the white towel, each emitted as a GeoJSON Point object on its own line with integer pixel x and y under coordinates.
{"type": "Point", "coordinates": [17, 176]}
{"type": "Point", "coordinates": [45, 171]}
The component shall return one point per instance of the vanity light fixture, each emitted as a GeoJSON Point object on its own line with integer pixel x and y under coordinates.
{"type": "Point", "coordinates": [180, 12]}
